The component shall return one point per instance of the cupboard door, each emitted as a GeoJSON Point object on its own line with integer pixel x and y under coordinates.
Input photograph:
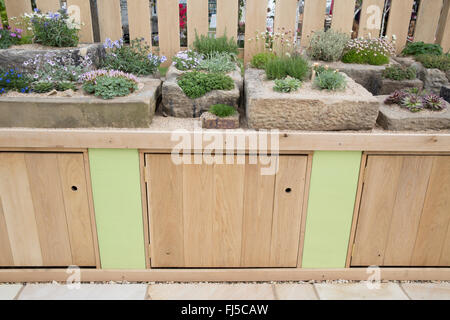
{"type": "Point", "coordinates": [44, 215]}
{"type": "Point", "coordinates": [404, 213]}
{"type": "Point", "coordinates": [224, 215]}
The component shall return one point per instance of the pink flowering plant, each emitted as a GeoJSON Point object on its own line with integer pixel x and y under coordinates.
{"type": "Point", "coordinates": [108, 84]}
{"type": "Point", "coordinates": [373, 51]}
{"type": "Point", "coordinates": [9, 37]}
{"type": "Point", "coordinates": [135, 58]}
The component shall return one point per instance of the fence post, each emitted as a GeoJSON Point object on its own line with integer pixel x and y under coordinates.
{"type": "Point", "coordinates": [426, 25]}
{"type": "Point", "coordinates": [16, 8]}
{"type": "Point", "coordinates": [48, 5]}
{"type": "Point", "coordinates": [80, 11]}
{"type": "Point", "coordinates": [168, 28]}
{"type": "Point", "coordinates": [139, 18]}
{"type": "Point", "coordinates": [255, 23]}
{"type": "Point", "coordinates": [109, 19]}
{"type": "Point", "coordinates": [443, 37]}
{"type": "Point", "coordinates": [343, 16]}
{"type": "Point", "coordinates": [197, 19]}
{"type": "Point", "coordinates": [398, 23]}
{"type": "Point", "coordinates": [313, 19]}
{"type": "Point", "coordinates": [370, 18]}
{"type": "Point", "coordinates": [227, 18]}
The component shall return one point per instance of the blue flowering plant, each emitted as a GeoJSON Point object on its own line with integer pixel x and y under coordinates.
{"type": "Point", "coordinates": [9, 37]}
{"type": "Point", "coordinates": [12, 80]}
{"type": "Point", "coordinates": [136, 58]}
{"type": "Point", "coordinates": [54, 29]}
{"type": "Point", "coordinates": [187, 60]}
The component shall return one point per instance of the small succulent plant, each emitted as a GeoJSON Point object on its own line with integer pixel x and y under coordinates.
{"type": "Point", "coordinates": [412, 102]}
{"type": "Point", "coordinates": [396, 97]}
{"type": "Point", "coordinates": [433, 102]}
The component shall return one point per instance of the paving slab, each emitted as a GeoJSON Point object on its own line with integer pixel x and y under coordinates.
{"type": "Point", "coordinates": [359, 291]}
{"type": "Point", "coordinates": [210, 291]}
{"type": "Point", "coordinates": [427, 291]}
{"type": "Point", "coordinates": [9, 291]}
{"type": "Point", "coordinates": [85, 292]}
{"type": "Point", "coordinates": [295, 291]}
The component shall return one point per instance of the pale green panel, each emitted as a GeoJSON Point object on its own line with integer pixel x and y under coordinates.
{"type": "Point", "coordinates": [334, 181]}
{"type": "Point", "coordinates": [118, 208]}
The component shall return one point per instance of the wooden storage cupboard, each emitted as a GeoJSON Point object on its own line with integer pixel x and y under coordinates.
{"type": "Point", "coordinates": [404, 213]}
{"type": "Point", "coordinates": [45, 215]}
{"type": "Point", "coordinates": [225, 215]}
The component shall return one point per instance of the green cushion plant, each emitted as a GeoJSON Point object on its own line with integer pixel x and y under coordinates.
{"type": "Point", "coordinates": [287, 85]}
{"type": "Point", "coordinates": [108, 84]}
{"type": "Point", "coordinates": [196, 84]}
{"type": "Point", "coordinates": [259, 60]}
{"type": "Point", "coordinates": [431, 61]}
{"type": "Point", "coordinates": [330, 80]}
{"type": "Point", "coordinates": [222, 110]}
{"type": "Point", "coordinates": [418, 48]}
{"type": "Point", "coordinates": [280, 67]}
{"type": "Point", "coordinates": [399, 73]}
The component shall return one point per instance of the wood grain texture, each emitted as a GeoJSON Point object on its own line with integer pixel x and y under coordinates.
{"type": "Point", "coordinates": [6, 258]}
{"type": "Point", "coordinates": [287, 211]}
{"type": "Point", "coordinates": [80, 10]}
{"type": "Point", "coordinates": [407, 210]}
{"type": "Point", "coordinates": [197, 19]}
{"type": "Point", "coordinates": [381, 181]}
{"type": "Point", "coordinates": [48, 5]}
{"type": "Point", "coordinates": [139, 20]}
{"type": "Point", "coordinates": [16, 8]}
{"type": "Point", "coordinates": [168, 28]}
{"type": "Point", "coordinates": [370, 18]}
{"type": "Point", "coordinates": [227, 18]}
{"type": "Point", "coordinates": [285, 15]}
{"type": "Point", "coordinates": [313, 19]}
{"type": "Point", "coordinates": [72, 173]}
{"type": "Point", "coordinates": [49, 211]}
{"type": "Point", "coordinates": [257, 216]}
{"type": "Point", "coordinates": [255, 23]}
{"type": "Point", "coordinates": [427, 21]}
{"type": "Point", "coordinates": [165, 203]}
{"type": "Point", "coordinates": [109, 19]}
{"type": "Point", "coordinates": [18, 210]}
{"type": "Point", "coordinates": [343, 16]}
{"type": "Point", "coordinates": [435, 218]}
{"type": "Point", "coordinates": [443, 32]}
{"type": "Point", "coordinates": [398, 22]}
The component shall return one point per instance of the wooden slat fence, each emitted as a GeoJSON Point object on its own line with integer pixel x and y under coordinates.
{"type": "Point", "coordinates": [432, 25]}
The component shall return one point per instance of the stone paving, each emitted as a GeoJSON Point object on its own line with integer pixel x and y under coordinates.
{"type": "Point", "coordinates": [229, 291]}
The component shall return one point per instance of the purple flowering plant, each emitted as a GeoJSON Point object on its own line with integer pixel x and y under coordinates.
{"type": "Point", "coordinates": [9, 37]}
{"type": "Point", "coordinates": [135, 58]}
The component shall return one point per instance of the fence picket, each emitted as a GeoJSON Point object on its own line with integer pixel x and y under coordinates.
{"type": "Point", "coordinates": [370, 18]}
{"type": "Point", "coordinates": [398, 23]}
{"type": "Point", "coordinates": [139, 18]}
{"type": "Point", "coordinates": [255, 22]}
{"type": "Point", "coordinates": [197, 19]}
{"type": "Point", "coordinates": [343, 16]}
{"type": "Point", "coordinates": [443, 37]}
{"type": "Point", "coordinates": [227, 18]}
{"type": "Point", "coordinates": [313, 19]}
{"type": "Point", "coordinates": [109, 19]}
{"type": "Point", "coordinates": [16, 8]}
{"type": "Point", "coordinates": [426, 25]}
{"type": "Point", "coordinates": [48, 5]}
{"type": "Point", "coordinates": [80, 11]}
{"type": "Point", "coordinates": [168, 28]}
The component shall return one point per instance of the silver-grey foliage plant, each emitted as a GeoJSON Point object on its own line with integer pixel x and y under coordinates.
{"type": "Point", "coordinates": [328, 45]}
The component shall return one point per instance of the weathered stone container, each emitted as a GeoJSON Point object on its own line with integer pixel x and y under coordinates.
{"type": "Point", "coordinates": [394, 117]}
{"type": "Point", "coordinates": [13, 58]}
{"type": "Point", "coordinates": [211, 121]}
{"type": "Point", "coordinates": [133, 111]}
{"type": "Point", "coordinates": [309, 108]}
{"type": "Point", "coordinates": [177, 104]}
{"type": "Point", "coordinates": [388, 86]}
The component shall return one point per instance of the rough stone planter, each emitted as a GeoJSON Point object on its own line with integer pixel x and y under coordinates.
{"type": "Point", "coordinates": [433, 79]}
{"type": "Point", "coordinates": [388, 86]}
{"type": "Point", "coordinates": [14, 57]}
{"type": "Point", "coordinates": [445, 93]}
{"type": "Point", "coordinates": [393, 117]}
{"type": "Point", "coordinates": [175, 103]}
{"type": "Point", "coordinates": [366, 75]}
{"type": "Point", "coordinates": [211, 121]}
{"type": "Point", "coordinates": [308, 108]}
{"type": "Point", "coordinates": [83, 111]}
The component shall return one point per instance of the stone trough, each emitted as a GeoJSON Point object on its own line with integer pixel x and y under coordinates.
{"type": "Point", "coordinates": [394, 117]}
{"type": "Point", "coordinates": [175, 102]}
{"type": "Point", "coordinates": [81, 111]}
{"type": "Point", "coordinates": [308, 108]}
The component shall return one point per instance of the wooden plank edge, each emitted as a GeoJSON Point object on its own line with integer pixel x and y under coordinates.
{"type": "Point", "coordinates": [220, 275]}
